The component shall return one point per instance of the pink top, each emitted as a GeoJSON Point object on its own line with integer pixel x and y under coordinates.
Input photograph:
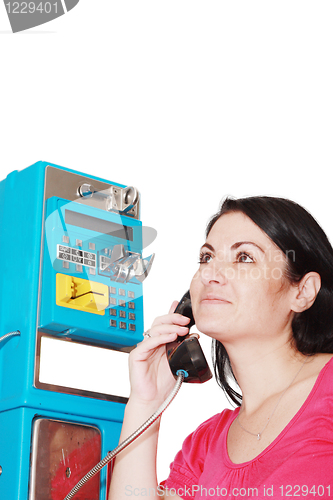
{"type": "Point", "coordinates": [298, 463]}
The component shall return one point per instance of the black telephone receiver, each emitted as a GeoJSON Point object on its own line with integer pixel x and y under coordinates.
{"type": "Point", "coordinates": [185, 353]}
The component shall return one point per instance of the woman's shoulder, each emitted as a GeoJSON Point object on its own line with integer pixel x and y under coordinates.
{"type": "Point", "coordinates": [221, 418]}
{"type": "Point", "coordinates": [318, 379]}
{"type": "Point", "coordinates": [197, 443]}
{"type": "Point", "coordinates": [324, 377]}
{"type": "Point", "coordinates": [214, 424]}
{"type": "Point", "coordinates": [322, 367]}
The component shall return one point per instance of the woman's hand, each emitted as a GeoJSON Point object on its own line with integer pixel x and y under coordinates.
{"type": "Point", "coordinates": [150, 376]}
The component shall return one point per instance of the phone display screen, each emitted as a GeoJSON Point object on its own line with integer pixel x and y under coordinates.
{"type": "Point", "coordinates": [98, 225]}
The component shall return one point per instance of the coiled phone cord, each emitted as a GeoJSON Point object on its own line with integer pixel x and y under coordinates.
{"type": "Point", "coordinates": [181, 374]}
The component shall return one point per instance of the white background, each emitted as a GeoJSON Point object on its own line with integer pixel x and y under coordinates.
{"type": "Point", "coordinates": [188, 101]}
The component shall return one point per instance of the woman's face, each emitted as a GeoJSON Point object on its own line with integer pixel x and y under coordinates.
{"type": "Point", "coordinates": [240, 290]}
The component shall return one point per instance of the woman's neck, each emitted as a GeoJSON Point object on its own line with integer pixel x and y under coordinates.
{"type": "Point", "coordinates": [263, 371]}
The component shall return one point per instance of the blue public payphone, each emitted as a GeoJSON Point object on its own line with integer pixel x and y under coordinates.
{"type": "Point", "coordinates": [72, 272]}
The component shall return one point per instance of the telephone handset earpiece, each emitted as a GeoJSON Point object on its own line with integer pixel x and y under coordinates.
{"type": "Point", "coordinates": [185, 353]}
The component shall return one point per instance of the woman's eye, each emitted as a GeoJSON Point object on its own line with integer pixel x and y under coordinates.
{"type": "Point", "coordinates": [205, 258]}
{"type": "Point", "coordinates": [244, 257]}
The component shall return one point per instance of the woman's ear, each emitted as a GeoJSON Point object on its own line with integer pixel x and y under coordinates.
{"type": "Point", "coordinates": [306, 292]}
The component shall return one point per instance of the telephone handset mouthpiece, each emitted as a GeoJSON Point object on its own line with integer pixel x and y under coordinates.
{"type": "Point", "coordinates": [185, 353]}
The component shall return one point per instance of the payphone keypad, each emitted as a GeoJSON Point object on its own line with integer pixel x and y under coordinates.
{"type": "Point", "coordinates": [122, 316]}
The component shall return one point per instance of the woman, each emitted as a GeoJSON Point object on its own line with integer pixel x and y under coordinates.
{"type": "Point", "coordinates": [264, 293]}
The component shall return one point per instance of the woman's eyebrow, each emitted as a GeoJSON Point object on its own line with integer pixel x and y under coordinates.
{"type": "Point", "coordinates": [207, 245]}
{"type": "Point", "coordinates": [239, 243]}
{"type": "Point", "coordinates": [234, 246]}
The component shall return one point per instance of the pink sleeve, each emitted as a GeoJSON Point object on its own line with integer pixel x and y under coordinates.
{"type": "Point", "coordinates": [188, 464]}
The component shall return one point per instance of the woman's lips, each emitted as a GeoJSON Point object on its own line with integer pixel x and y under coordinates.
{"type": "Point", "coordinates": [215, 300]}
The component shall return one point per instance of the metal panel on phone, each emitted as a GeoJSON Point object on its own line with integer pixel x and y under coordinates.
{"type": "Point", "coordinates": [102, 195]}
{"type": "Point", "coordinates": [61, 453]}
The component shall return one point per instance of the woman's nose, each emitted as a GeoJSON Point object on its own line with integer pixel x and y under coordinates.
{"type": "Point", "coordinates": [214, 272]}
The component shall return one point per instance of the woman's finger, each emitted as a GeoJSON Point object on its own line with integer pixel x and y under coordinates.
{"type": "Point", "coordinates": [166, 328]}
{"type": "Point", "coordinates": [173, 306]}
{"type": "Point", "coordinates": [172, 318]}
{"type": "Point", "coordinates": [150, 344]}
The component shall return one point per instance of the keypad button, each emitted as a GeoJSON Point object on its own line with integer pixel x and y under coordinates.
{"type": "Point", "coordinates": [92, 246]}
{"type": "Point", "coordinates": [131, 316]}
{"type": "Point", "coordinates": [64, 256]}
{"type": "Point", "coordinates": [113, 290]}
{"type": "Point", "coordinates": [131, 295]}
{"type": "Point", "coordinates": [113, 312]}
{"type": "Point", "coordinates": [113, 323]}
{"type": "Point", "coordinates": [122, 303]}
{"type": "Point", "coordinates": [103, 263]}
{"type": "Point", "coordinates": [131, 327]}
{"type": "Point", "coordinates": [76, 252]}
{"type": "Point", "coordinates": [113, 301]}
{"type": "Point", "coordinates": [77, 259]}
{"type": "Point", "coordinates": [131, 305]}
{"type": "Point", "coordinates": [122, 292]}
{"type": "Point", "coordinates": [89, 255]}
{"type": "Point", "coordinates": [89, 263]}
{"type": "Point", "coordinates": [122, 325]}
{"type": "Point", "coordinates": [62, 249]}
{"type": "Point", "coordinates": [122, 314]}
